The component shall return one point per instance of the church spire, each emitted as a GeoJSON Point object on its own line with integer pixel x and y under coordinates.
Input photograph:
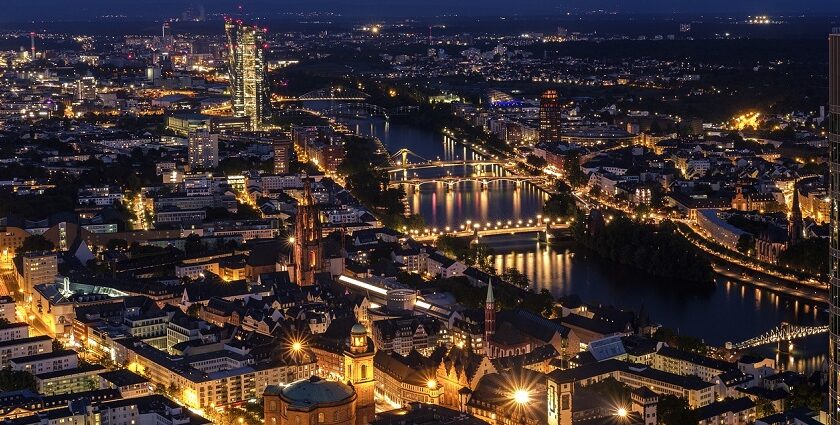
{"type": "Point", "coordinates": [308, 246]}
{"type": "Point", "coordinates": [489, 319]}
{"type": "Point", "coordinates": [795, 220]}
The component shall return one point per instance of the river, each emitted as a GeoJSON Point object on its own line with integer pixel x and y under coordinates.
{"type": "Point", "coordinates": [730, 312]}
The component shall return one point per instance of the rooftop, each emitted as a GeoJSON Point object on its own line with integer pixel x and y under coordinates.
{"type": "Point", "coordinates": [309, 393]}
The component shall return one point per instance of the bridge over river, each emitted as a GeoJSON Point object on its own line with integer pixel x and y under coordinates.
{"type": "Point", "coordinates": [785, 332]}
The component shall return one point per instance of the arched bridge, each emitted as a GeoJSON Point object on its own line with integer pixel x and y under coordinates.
{"type": "Point", "coordinates": [399, 162]}
{"type": "Point", "coordinates": [477, 230]}
{"type": "Point", "coordinates": [781, 333]}
{"type": "Point", "coordinates": [441, 164]}
{"type": "Point", "coordinates": [335, 93]}
{"type": "Point", "coordinates": [357, 108]}
{"type": "Point", "coordinates": [451, 181]}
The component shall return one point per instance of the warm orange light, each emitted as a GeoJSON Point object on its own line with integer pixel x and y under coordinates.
{"type": "Point", "coordinates": [521, 396]}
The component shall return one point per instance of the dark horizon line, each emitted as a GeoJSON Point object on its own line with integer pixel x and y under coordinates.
{"type": "Point", "coordinates": [297, 15]}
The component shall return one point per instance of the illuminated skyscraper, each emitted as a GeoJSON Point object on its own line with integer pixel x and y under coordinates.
{"type": "Point", "coordinates": [282, 151]}
{"type": "Point", "coordinates": [834, 188]}
{"type": "Point", "coordinates": [246, 67]}
{"type": "Point", "coordinates": [551, 117]}
{"type": "Point", "coordinates": [308, 246]}
{"type": "Point", "coordinates": [203, 150]}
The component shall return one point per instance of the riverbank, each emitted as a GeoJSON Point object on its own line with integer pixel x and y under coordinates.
{"type": "Point", "coordinates": [742, 311]}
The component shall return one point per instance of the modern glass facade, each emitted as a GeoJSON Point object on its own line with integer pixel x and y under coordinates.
{"type": "Point", "coordinates": [834, 188]}
{"type": "Point", "coordinates": [247, 68]}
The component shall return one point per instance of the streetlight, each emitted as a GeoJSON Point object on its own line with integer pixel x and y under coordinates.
{"type": "Point", "coordinates": [521, 396]}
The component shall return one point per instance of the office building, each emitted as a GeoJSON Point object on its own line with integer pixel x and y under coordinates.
{"type": "Point", "coordinates": [86, 88]}
{"type": "Point", "coordinates": [7, 308]}
{"type": "Point", "coordinates": [834, 192]}
{"type": "Point", "coordinates": [37, 268]}
{"type": "Point", "coordinates": [203, 150]}
{"type": "Point", "coordinates": [551, 116]}
{"type": "Point", "coordinates": [247, 68]}
{"type": "Point", "coordinates": [282, 150]}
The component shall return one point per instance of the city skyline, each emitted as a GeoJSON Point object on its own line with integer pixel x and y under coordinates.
{"type": "Point", "coordinates": [293, 213]}
{"type": "Point", "coordinates": [86, 9]}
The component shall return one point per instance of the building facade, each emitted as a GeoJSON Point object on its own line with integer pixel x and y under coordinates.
{"type": "Point", "coordinates": [282, 155]}
{"type": "Point", "coordinates": [834, 192]}
{"type": "Point", "coordinates": [247, 68]}
{"type": "Point", "coordinates": [203, 148]}
{"type": "Point", "coordinates": [551, 116]}
{"type": "Point", "coordinates": [308, 247]}
{"type": "Point", "coordinates": [310, 401]}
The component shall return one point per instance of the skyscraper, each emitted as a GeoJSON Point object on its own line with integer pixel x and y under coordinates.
{"type": "Point", "coordinates": [282, 149]}
{"type": "Point", "coordinates": [247, 68]}
{"type": "Point", "coordinates": [834, 190]}
{"type": "Point", "coordinates": [551, 116]}
{"type": "Point", "coordinates": [307, 246]}
{"type": "Point", "coordinates": [203, 150]}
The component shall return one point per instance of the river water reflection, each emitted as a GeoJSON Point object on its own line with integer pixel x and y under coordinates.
{"type": "Point", "coordinates": [729, 312]}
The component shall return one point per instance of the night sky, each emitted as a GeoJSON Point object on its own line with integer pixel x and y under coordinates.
{"type": "Point", "coordinates": [21, 10]}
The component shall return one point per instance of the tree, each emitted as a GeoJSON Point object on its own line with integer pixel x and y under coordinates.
{"type": "Point", "coordinates": [571, 165]}
{"type": "Point", "coordinates": [810, 255]}
{"type": "Point", "coordinates": [453, 246]}
{"type": "Point", "coordinates": [674, 410]}
{"type": "Point", "coordinates": [118, 244]}
{"type": "Point", "coordinates": [683, 342]}
{"type": "Point", "coordinates": [173, 390]}
{"type": "Point", "coordinates": [480, 256]}
{"type": "Point", "coordinates": [516, 278]}
{"type": "Point", "coordinates": [13, 380]}
{"type": "Point", "coordinates": [193, 309]}
{"type": "Point", "coordinates": [764, 407]}
{"type": "Point", "coordinates": [560, 205]}
{"type": "Point", "coordinates": [657, 249]}
{"type": "Point", "coordinates": [412, 280]}
{"type": "Point", "coordinates": [36, 243]}
{"type": "Point", "coordinates": [536, 161]}
{"type": "Point", "coordinates": [745, 244]}
{"type": "Point", "coordinates": [193, 246]}
{"type": "Point", "coordinates": [805, 395]}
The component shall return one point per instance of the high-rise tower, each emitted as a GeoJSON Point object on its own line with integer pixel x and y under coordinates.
{"type": "Point", "coordinates": [551, 116]}
{"type": "Point", "coordinates": [247, 68]}
{"type": "Point", "coordinates": [834, 191]}
{"type": "Point", "coordinates": [282, 151]}
{"type": "Point", "coordinates": [308, 246]}
{"type": "Point", "coordinates": [203, 150]}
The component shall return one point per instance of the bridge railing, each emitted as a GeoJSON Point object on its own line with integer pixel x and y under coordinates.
{"type": "Point", "coordinates": [783, 332]}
